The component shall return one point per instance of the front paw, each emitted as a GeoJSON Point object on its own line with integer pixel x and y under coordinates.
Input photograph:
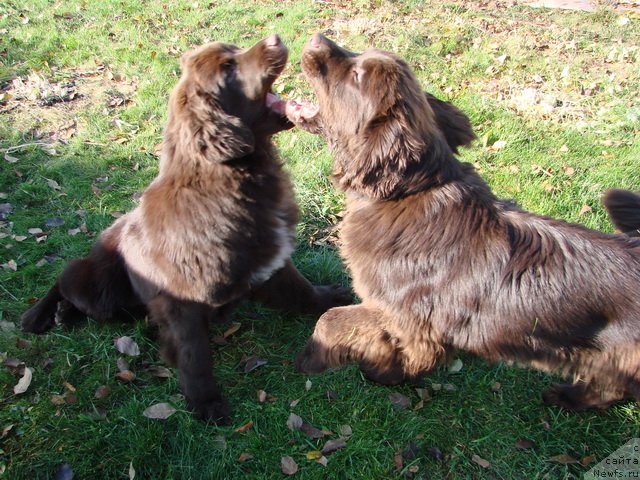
{"type": "Point", "coordinates": [214, 410]}
{"type": "Point", "coordinates": [329, 296]}
{"type": "Point", "coordinates": [39, 319]}
{"type": "Point", "coordinates": [312, 359]}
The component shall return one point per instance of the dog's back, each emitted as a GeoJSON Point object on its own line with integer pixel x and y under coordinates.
{"type": "Point", "coordinates": [624, 209]}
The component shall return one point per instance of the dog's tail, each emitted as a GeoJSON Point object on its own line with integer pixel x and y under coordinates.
{"type": "Point", "coordinates": [624, 209]}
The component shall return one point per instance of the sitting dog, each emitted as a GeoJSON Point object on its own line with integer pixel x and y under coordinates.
{"type": "Point", "coordinates": [216, 226]}
{"type": "Point", "coordinates": [441, 263]}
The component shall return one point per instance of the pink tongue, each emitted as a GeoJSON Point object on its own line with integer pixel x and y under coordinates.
{"type": "Point", "coordinates": [275, 103]}
{"type": "Point", "coordinates": [301, 110]}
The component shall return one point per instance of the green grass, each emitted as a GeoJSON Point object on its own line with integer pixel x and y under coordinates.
{"type": "Point", "coordinates": [560, 88]}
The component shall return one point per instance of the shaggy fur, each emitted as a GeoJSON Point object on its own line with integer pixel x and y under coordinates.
{"type": "Point", "coordinates": [217, 225]}
{"type": "Point", "coordinates": [442, 264]}
{"type": "Point", "coordinates": [624, 209]}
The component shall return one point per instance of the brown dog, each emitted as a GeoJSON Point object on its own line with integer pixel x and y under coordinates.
{"type": "Point", "coordinates": [217, 225]}
{"type": "Point", "coordinates": [442, 264]}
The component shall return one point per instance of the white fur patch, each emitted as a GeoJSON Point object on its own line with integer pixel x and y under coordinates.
{"type": "Point", "coordinates": [285, 241]}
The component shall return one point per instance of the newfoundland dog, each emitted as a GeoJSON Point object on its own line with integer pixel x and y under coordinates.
{"type": "Point", "coordinates": [441, 263]}
{"type": "Point", "coordinates": [216, 226]}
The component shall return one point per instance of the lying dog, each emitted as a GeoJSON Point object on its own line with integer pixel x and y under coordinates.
{"type": "Point", "coordinates": [216, 226]}
{"type": "Point", "coordinates": [442, 264]}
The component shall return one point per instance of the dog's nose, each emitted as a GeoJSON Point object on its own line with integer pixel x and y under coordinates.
{"type": "Point", "coordinates": [272, 40]}
{"type": "Point", "coordinates": [316, 40]}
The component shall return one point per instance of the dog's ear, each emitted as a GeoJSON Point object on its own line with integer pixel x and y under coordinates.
{"type": "Point", "coordinates": [455, 125]}
{"type": "Point", "coordinates": [224, 138]}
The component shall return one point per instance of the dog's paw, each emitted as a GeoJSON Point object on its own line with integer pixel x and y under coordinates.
{"type": "Point", "coordinates": [384, 375]}
{"type": "Point", "coordinates": [330, 296]}
{"type": "Point", "coordinates": [215, 410]}
{"type": "Point", "coordinates": [38, 319]}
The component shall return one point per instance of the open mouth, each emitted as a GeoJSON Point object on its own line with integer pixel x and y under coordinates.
{"type": "Point", "coordinates": [300, 110]}
{"type": "Point", "coordinates": [274, 103]}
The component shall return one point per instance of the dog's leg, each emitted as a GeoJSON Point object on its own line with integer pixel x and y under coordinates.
{"type": "Point", "coordinates": [288, 290]}
{"type": "Point", "coordinates": [355, 334]}
{"type": "Point", "coordinates": [184, 336]}
{"type": "Point", "coordinates": [581, 396]}
{"type": "Point", "coordinates": [41, 316]}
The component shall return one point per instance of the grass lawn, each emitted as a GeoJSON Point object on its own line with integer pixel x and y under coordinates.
{"type": "Point", "coordinates": [554, 98]}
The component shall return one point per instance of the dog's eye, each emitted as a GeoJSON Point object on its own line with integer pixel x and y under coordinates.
{"type": "Point", "coordinates": [228, 66]}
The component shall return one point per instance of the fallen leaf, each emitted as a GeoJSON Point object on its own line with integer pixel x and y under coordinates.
{"type": "Point", "coordinates": [262, 396]}
{"type": "Point", "coordinates": [57, 400]}
{"type": "Point", "coordinates": [480, 461]}
{"type": "Point", "coordinates": [22, 343]}
{"type": "Point", "coordinates": [245, 457]}
{"type": "Point", "coordinates": [5, 210]}
{"type": "Point", "coordinates": [308, 385]}
{"type": "Point", "coordinates": [15, 365]}
{"type": "Point", "coordinates": [235, 326]}
{"type": "Point", "coordinates": [311, 431]}
{"type": "Point", "coordinates": [127, 346]}
{"type": "Point", "coordinates": [54, 222]}
{"type": "Point", "coordinates": [294, 403]}
{"type": "Point", "coordinates": [332, 445]}
{"type": "Point", "coordinates": [244, 427]}
{"type": "Point", "coordinates": [399, 401]}
{"type": "Point", "coordinates": [436, 387]}
{"type": "Point", "coordinates": [314, 455]}
{"type": "Point", "coordinates": [10, 158]}
{"type": "Point", "coordinates": [35, 231]}
{"type": "Point", "coordinates": [102, 391]}
{"type": "Point", "coordinates": [122, 365]}
{"type": "Point", "coordinates": [435, 453]}
{"type": "Point", "coordinates": [7, 326]}
{"type": "Point", "coordinates": [455, 366]}
{"type": "Point", "coordinates": [496, 387]}
{"type": "Point", "coordinates": [346, 431]}
{"type": "Point", "coordinates": [53, 184]}
{"type": "Point", "coordinates": [584, 210]}
{"type": "Point", "coordinates": [24, 382]}
{"type": "Point", "coordinates": [324, 461]}
{"type": "Point", "coordinates": [64, 472]}
{"type": "Point", "coordinates": [6, 430]}
{"type": "Point", "coordinates": [562, 459]}
{"type": "Point", "coordinates": [587, 460]}
{"type": "Point", "coordinates": [20, 238]}
{"type": "Point", "coordinates": [294, 422]}
{"type": "Point", "coordinates": [159, 411]}
{"type": "Point", "coordinates": [253, 363]}
{"type": "Point", "coordinates": [126, 376]}
{"type": "Point", "coordinates": [132, 471]}
{"type": "Point", "coordinates": [448, 387]}
{"type": "Point", "coordinates": [524, 444]}
{"type": "Point", "coordinates": [418, 406]}
{"type": "Point", "coordinates": [159, 371]}
{"type": "Point", "coordinates": [423, 394]}
{"type": "Point", "coordinates": [288, 465]}
{"type": "Point", "coordinates": [500, 144]}
{"type": "Point", "coordinates": [73, 231]}
{"type": "Point", "coordinates": [69, 387]}
{"type": "Point", "coordinates": [10, 265]}
{"type": "Point", "coordinates": [398, 462]}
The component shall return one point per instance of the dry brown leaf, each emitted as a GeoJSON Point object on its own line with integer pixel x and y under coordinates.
{"type": "Point", "coordinates": [584, 210]}
{"type": "Point", "coordinates": [324, 461]}
{"type": "Point", "coordinates": [102, 391]}
{"type": "Point", "coordinates": [235, 326]}
{"type": "Point", "coordinates": [587, 460]}
{"type": "Point", "coordinates": [311, 431]}
{"type": "Point", "coordinates": [159, 371]}
{"type": "Point", "coordinates": [346, 431]}
{"type": "Point", "coordinates": [480, 461]}
{"type": "Point", "coordinates": [496, 387]}
{"type": "Point", "coordinates": [159, 411]}
{"type": "Point", "coordinates": [127, 346]}
{"type": "Point", "coordinates": [524, 444]}
{"type": "Point", "coordinates": [288, 465]}
{"type": "Point", "coordinates": [562, 459]}
{"type": "Point", "coordinates": [126, 376]}
{"type": "Point", "coordinates": [58, 400]}
{"type": "Point", "coordinates": [399, 400]}
{"type": "Point", "coordinates": [418, 406]}
{"type": "Point", "coordinates": [22, 343]}
{"type": "Point", "coordinates": [245, 457]}
{"type": "Point", "coordinates": [122, 364]}
{"type": "Point", "coordinates": [69, 387]}
{"type": "Point", "coordinates": [253, 362]}
{"type": "Point", "coordinates": [294, 422]}
{"type": "Point", "coordinates": [53, 184]}
{"type": "Point", "coordinates": [332, 445]}
{"type": "Point", "coordinates": [398, 462]}
{"type": "Point", "coordinates": [24, 382]}
{"type": "Point", "coordinates": [262, 396]}
{"type": "Point", "coordinates": [244, 427]}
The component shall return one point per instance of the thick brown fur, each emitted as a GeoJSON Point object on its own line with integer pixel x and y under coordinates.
{"type": "Point", "coordinates": [216, 226]}
{"type": "Point", "coordinates": [441, 264]}
{"type": "Point", "coordinates": [624, 209]}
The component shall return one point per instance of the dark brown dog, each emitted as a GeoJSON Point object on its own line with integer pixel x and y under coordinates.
{"type": "Point", "coordinates": [217, 225]}
{"type": "Point", "coordinates": [442, 264]}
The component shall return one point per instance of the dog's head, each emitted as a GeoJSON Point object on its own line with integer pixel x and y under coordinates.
{"type": "Point", "coordinates": [375, 116]}
{"type": "Point", "coordinates": [225, 99]}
